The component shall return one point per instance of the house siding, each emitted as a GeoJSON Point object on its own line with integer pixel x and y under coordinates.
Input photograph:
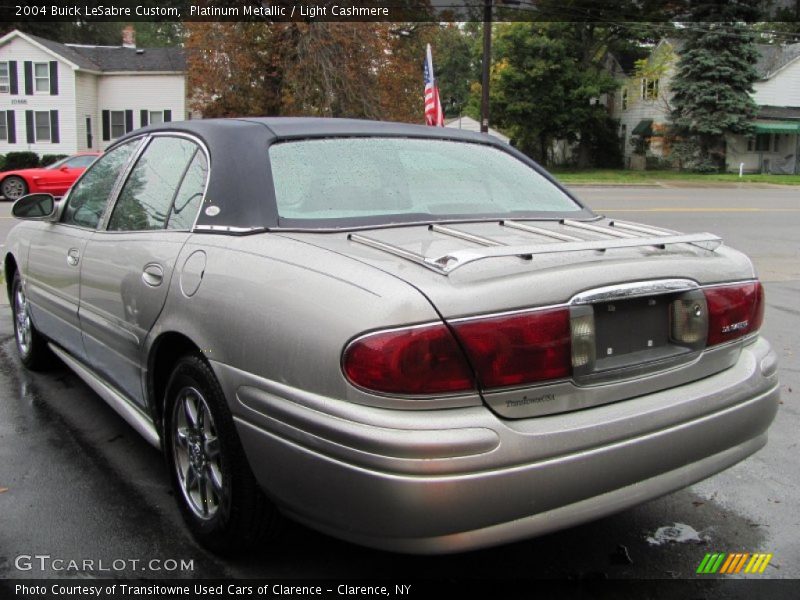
{"type": "Point", "coordinates": [20, 50]}
{"type": "Point", "coordinates": [639, 108]}
{"type": "Point", "coordinates": [141, 92]}
{"type": "Point", "coordinates": [86, 106]}
{"type": "Point", "coordinates": [782, 89]}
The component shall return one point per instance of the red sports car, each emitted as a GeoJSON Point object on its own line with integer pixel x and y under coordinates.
{"type": "Point", "coordinates": [53, 179]}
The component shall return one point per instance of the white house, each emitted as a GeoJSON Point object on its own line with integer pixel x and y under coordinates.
{"type": "Point", "coordinates": [642, 103]}
{"type": "Point", "coordinates": [776, 145]}
{"type": "Point", "coordinates": [65, 98]}
{"type": "Point", "coordinates": [470, 124]}
{"type": "Point", "coordinates": [643, 107]}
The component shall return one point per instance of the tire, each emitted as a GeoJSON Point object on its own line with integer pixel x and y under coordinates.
{"type": "Point", "coordinates": [216, 491]}
{"type": "Point", "coordinates": [13, 188]}
{"type": "Point", "coordinates": [31, 345]}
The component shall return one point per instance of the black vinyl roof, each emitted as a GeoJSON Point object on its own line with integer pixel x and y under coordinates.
{"type": "Point", "coordinates": [280, 128]}
{"type": "Point", "coordinates": [240, 184]}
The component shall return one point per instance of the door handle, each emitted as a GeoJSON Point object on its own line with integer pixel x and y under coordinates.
{"type": "Point", "coordinates": [73, 256]}
{"type": "Point", "coordinates": [153, 274]}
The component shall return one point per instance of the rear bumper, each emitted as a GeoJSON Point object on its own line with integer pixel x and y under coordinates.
{"type": "Point", "coordinates": [451, 480]}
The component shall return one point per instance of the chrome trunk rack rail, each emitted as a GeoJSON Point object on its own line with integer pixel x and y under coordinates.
{"type": "Point", "coordinates": [618, 234]}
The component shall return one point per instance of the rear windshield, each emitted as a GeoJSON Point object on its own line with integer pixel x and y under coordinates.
{"type": "Point", "coordinates": [349, 181]}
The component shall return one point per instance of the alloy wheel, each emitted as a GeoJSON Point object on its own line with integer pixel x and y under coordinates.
{"type": "Point", "coordinates": [23, 329]}
{"type": "Point", "coordinates": [196, 452]}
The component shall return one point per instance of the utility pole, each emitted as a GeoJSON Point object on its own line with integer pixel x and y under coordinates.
{"type": "Point", "coordinates": [487, 59]}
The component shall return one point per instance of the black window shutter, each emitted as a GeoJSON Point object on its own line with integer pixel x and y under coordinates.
{"type": "Point", "coordinates": [54, 137]}
{"type": "Point", "coordinates": [128, 121]}
{"type": "Point", "coordinates": [11, 123]}
{"type": "Point", "coordinates": [143, 114]}
{"type": "Point", "coordinates": [29, 126]}
{"type": "Point", "coordinates": [167, 116]}
{"type": "Point", "coordinates": [28, 78]}
{"type": "Point", "coordinates": [106, 125]}
{"type": "Point", "coordinates": [53, 78]}
{"type": "Point", "coordinates": [13, 83]}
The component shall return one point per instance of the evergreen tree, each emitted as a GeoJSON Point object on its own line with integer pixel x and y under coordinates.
{"type": "Point", "coordinates": [714, 79]}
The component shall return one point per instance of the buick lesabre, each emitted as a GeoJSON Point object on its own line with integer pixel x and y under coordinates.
{"type": "Point", "coordinates": [408, 337]}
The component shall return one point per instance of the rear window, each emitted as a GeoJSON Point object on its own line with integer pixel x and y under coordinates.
{"type": "Point", "coordinates": [340, 181]}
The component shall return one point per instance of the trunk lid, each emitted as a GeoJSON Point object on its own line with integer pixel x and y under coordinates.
{"type": "Point", "coordinates": [512, 283]}
{"type": "Point", "coordinates": [554, 263]}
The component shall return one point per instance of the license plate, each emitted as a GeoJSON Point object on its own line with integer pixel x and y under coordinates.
{"type": "Point", "coordinates": [631, 326]}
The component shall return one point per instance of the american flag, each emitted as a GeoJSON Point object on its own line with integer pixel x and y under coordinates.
{"type": "Point", "coordinates": [433, 107]}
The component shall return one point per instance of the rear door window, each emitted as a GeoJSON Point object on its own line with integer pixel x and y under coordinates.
{"type": "Point", "coordinates": [147, 198]}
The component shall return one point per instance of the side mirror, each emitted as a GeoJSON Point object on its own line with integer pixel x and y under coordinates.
{"type": "Point", "coordinates": [64, 169]}
{"type": "Point", "coordinates": [39, 207]}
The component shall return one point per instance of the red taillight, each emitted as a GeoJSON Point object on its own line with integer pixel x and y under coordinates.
{"type": "Point", "coordinates": [734, 311]}
{"type": "Point", "coordinates": [418, 360]}
{"type": "Point", "coordinates": [518, 349]}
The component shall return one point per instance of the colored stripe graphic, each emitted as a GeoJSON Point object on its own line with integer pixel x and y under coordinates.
{"type": "Point", "coordinates": [741, 562]}
{"type": "Point", "coordinates": [729, 564]}
{"type": "Point", "coordinates": [726, 566]}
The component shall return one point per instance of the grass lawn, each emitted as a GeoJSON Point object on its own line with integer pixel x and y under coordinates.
{"type": "Point", "coordinates": [614, 176]}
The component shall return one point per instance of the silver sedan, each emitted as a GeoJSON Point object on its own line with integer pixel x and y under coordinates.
{"type": "Point", "coordinates": [408, 337]}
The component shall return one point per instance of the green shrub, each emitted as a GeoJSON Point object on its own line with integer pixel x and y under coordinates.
{"type": "Point", "coordinates": [658, 163]}
{"type": "Point", "coordinates": [49, 159]}
{"type": "Point", "coordinates": [21, 160]}
{"type": "Point", "coordinates": [2, 162]}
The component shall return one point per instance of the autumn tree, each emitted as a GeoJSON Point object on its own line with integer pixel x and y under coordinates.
{"type": "Point", "coordinates": [363, 70]}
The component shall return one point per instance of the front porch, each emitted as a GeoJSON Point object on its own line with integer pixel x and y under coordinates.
{"type": "Point", "coordinates": [774, 149]}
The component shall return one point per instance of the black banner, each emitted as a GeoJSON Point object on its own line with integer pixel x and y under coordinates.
{"type": "Point", "coordinates": [599, 11]}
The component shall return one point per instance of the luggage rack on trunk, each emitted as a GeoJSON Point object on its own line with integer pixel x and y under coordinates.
{"type": "Point", "coordinates": [618, 234]}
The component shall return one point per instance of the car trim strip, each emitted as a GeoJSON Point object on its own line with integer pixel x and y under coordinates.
{"type": "Point", "coordinates": [127, 410]}
{"type": "Point", "coordinates": [634, 289]}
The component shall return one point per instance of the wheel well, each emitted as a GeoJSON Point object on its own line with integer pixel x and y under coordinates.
{"type": "Point", "coordinates": [25, 181]}
{"type": "Point", "coordinates": [167, 349]}
{"type": "Point", "coordinates": [9, 268]}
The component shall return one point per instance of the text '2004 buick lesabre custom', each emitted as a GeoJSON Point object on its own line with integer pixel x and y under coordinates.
{"type": "Point", "coordinates": [406, 337]}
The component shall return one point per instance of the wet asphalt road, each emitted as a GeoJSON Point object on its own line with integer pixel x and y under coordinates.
{"type": "Point", "coordinates": [77, 483]}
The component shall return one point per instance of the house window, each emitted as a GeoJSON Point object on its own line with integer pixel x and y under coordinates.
{"type": "Point", "coordinates": [649, 89]}
{"type": "Point", "coordinates": [5, 78]}
{"type": "Point", "coordinates": [42, 122]}
{"type": "Point", "coordinates": [763, 142]}
{"type": "Point", "coordinates": [3, 126]}
{"type": "Point", "coordinates": [41, 77]}
{"type": "Point", "coordinates": [156, 117]}
{"type": "Point", "coordinates": [117, 123]}
{"type": "Point", "coordinates": [624, 98]}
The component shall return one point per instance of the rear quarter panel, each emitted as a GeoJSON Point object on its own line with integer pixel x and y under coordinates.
{"type": "Point", "coordinates": [284, 310]}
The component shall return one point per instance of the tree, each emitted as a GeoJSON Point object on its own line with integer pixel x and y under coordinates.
{"type": "Point", "coordinates": [349, 69]}
{"type": "Point", "coordinates": [542, 90]}
{"type": "Point", "coordinates": [714, 80]}
{"type": "Point", "coordinates": [456, 60]}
